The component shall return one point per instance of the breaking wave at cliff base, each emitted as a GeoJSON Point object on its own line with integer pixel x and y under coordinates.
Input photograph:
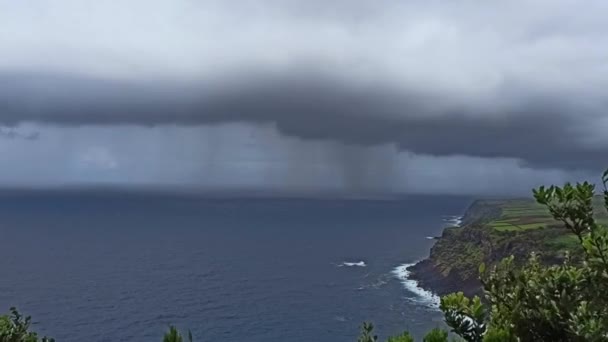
{"type": "Point", "coordinates": [422, 296]}
{"type": "Point", "coordinates": [453, 221]}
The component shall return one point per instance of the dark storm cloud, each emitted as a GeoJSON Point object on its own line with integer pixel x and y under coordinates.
{"type": "Point", "coordinates": [351, 94]}
{"type": "Point", "coordinates": [543, 130]}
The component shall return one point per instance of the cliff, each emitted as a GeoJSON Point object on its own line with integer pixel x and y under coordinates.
{"type": "Point", "coordinates": [490, 231]}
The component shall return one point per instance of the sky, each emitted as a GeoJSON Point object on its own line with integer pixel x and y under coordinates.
{"type": "Point", "coordinates": [305, 97]}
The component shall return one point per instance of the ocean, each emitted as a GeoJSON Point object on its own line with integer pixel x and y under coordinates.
{"type": "Point", "coordinates": [121, 267]}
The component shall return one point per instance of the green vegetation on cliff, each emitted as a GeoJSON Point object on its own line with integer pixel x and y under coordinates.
{"type": "Point", "coordinates": [491, 231]}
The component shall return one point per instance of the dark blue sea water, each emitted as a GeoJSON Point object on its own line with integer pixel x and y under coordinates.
{"type": "Point", "coordinates": [114, 267]}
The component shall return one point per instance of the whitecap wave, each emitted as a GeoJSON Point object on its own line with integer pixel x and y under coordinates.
{"type": "Point", "coordinates": [422, 296]}
{"type": "Point", "coordinates": [352, 264]}
{"type": "Point", "coordinates": [453, 221]}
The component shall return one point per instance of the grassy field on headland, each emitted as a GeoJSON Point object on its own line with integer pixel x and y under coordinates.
{"type": "Point", "coordinates": [524, 214]}
{"type": "Point", "coordinates": [520, 215]}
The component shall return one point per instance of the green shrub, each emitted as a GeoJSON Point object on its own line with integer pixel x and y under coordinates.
{"type": "Point", "coordinates": [436, 335]}
{"type": "Point", "coordinates": [498, 335]}
{"type": "Point", "coordinates": [15, 328]}
{"type": "Point", "coordinates": [367, 333]}
{"type": "Point", "coordinates": [405, 337]}
{"type": "Point", "coordinates": [173, 335]}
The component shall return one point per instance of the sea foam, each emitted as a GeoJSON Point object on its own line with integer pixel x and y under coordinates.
{"type": "Point", "coordinates": [422, 296]}
{"type": "Point", "coordinates": [453, 221]}
{"type": "Point", "coordinates": [352, 264]}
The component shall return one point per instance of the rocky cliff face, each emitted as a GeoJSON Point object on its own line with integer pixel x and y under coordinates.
{"type": "Point", "coordinates": [454, 260]}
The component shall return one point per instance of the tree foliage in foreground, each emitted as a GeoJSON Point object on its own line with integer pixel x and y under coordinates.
{"type": "Point", "coordinates": [532, 302]}
{"type": "Point", "coordinates": [173, 335]}
{"type": "Point", "coordinates": [15, 328]}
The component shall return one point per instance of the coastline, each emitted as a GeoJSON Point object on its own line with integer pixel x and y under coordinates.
{"type": "Point", "coordinates": [424, 280]}
{"type": "Point", "coordinates": [424, 277]}
{"type": "Point", "coordinates": [489, 231]}
{"type": "Point", "coordinates": [444, 271]}
{"type": "Point", "coordinates": [423, 296]}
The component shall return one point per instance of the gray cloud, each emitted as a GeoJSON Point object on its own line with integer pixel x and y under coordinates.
{"type": "Point", "coordinates": [351, 87]}
{"type": "Point", "coordinates": [543, 130]}
{"type": "Point", "coordinates": [12, 133]}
